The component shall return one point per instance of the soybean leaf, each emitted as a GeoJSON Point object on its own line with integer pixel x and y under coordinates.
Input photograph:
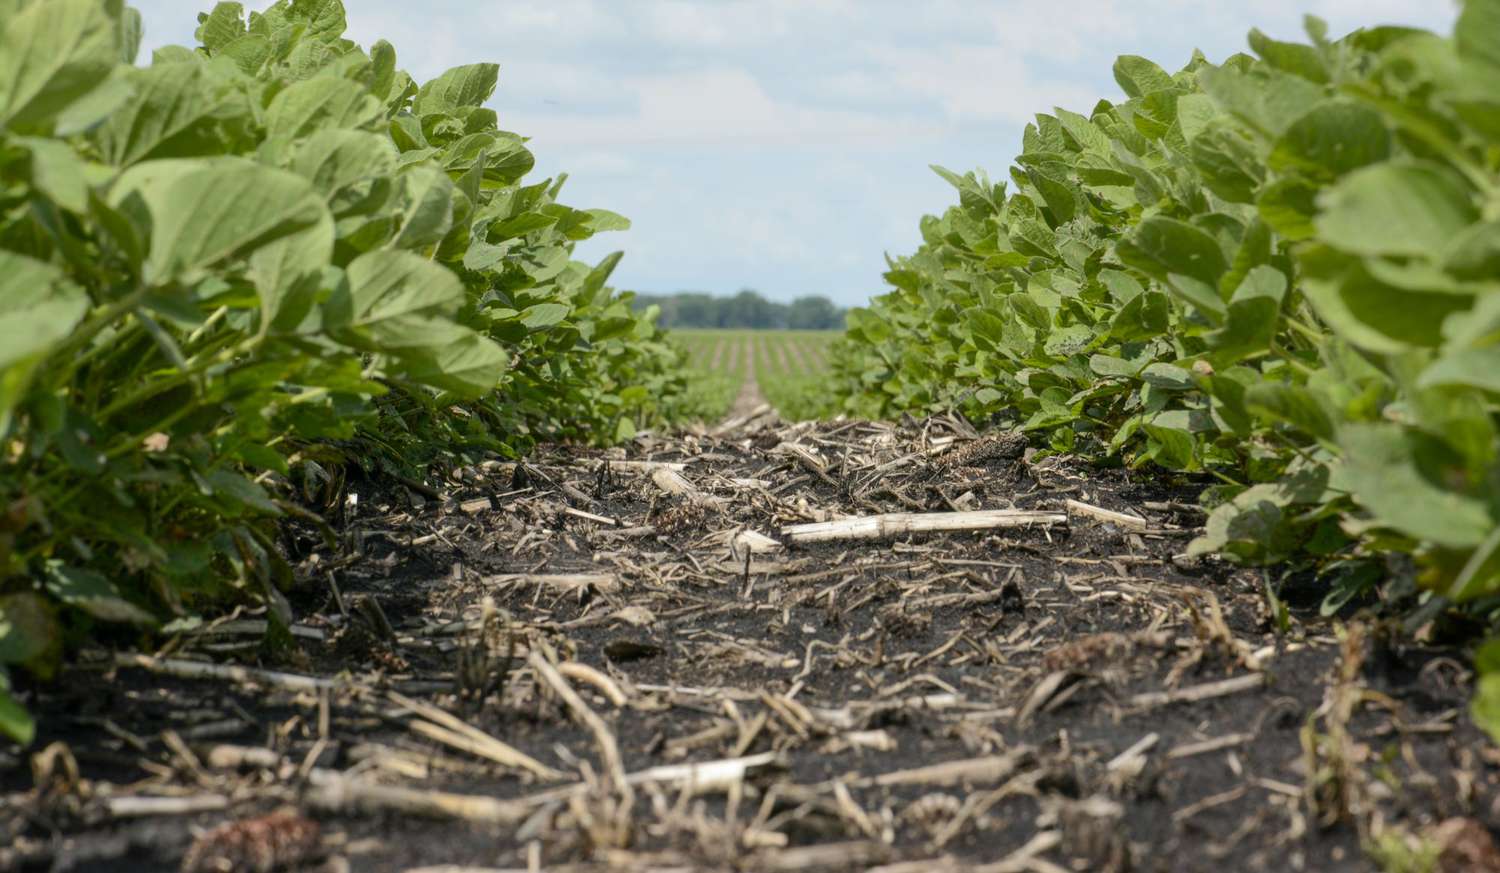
{"type": "Point", "coordinates": [1473, 368]}
{"type": "Point", "coordinates": [1291, 404]}
{"type": "Point", "coordinates": [322, 103]}
{"type": "Point", "coordinates": [382, 288]}
{"type": "Point", "coordinates": [464, 363]}
{"type": "Point", "coordinates": [1478, 31]}
{"type": "Point", "coordinates": [171, 113]}
{"type": "Point", "coordinates": [220, 27]}
{"type": "Point", "coordinates": [1162, 246]}
{"type": "Point", "coordinates": [201, 213]}
{"type": "Point", "coordinates": [14, 720]}
{"type": "Point", "coordinates": [52, 52]}
{"type": "Point", "coordinates": [1289, 57]}
{"type": "Point", "coordinates": [38, 309]}
{"type": "Point", "coordinates": [1138, 76]}
{"type": "Point", "coordinates": [332, 160]}
{"type": "Point", "coordinates": [426, 208]}
{"type": "Point", "coordinates": [543, 315]}
{"type": "Point", "coordinates": [1251, 321]}
{"type": "Point", "coordinates": [1332, 139]}
{"type": "Point", "coordinates": [1405, 209]}
{"type": "Point", "coordinates": [91, 592]}
{"type": "Point", "coordinates": [1399, 476]}
{"type": "Point", "coordinates": [459, 87]}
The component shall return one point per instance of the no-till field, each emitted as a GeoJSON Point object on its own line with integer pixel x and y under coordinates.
{"type": "Point", "coordinates": [592, 662]}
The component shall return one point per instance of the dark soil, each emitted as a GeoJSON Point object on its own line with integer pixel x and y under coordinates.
{"type": "Point", "coordinates": [1077, 695]}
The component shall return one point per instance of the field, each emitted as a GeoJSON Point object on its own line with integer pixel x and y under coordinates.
{"type": "Point", "coordinates": [353, 525]}
{"type": "Point", "coordinates": [738, 369]}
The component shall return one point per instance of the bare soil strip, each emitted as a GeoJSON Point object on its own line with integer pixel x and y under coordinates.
{"type": "Point", "coordinates": [796, 360]}
{"type": "Point", "coordinates": [817, 354]}
{"type": "Point", "coordinates": [628, 661]}
{"type": "Point", "coordinates": [749, 400]}
{"type": "Point", "coordinates": [731, 351]}
{"type": "Point", "coordinates": [720, 349]}
{"type": "Point", "coordinates": [783, 357]}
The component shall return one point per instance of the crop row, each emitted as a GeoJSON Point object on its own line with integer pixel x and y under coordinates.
{"type": "Point", "coordinates": [231, 276]}
{"type": "Point", "coordinates": [1282, 270]}
{"type": "Point", "coordinates": [789, 367]}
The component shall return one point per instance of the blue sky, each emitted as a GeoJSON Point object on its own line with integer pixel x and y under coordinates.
{"type": "Point", "coordinates": [783, 145]}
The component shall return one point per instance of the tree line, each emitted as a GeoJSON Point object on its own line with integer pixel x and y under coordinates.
{"type": "Point", "coordinates": [747, 309]}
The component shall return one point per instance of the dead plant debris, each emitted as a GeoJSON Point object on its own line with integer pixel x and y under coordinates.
{"type": "Point", "coordinates": [837, 646]}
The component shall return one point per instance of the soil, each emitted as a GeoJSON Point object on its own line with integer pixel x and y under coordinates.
{"type": "Point", "coordinates": [750, 400]}
{"type": "Point", "coordinates": [585, 662]}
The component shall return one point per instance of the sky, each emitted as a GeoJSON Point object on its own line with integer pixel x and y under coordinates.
{"type": "Point", "coordinates": [784, 145]}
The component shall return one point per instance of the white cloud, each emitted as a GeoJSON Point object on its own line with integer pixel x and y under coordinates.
{"type": "Point", "coordinates": [727, 107]}
{"type": "Point", "coordinates": [783, 143]}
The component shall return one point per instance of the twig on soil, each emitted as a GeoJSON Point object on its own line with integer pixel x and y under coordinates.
{"type": "Point", "coordinates": [140, 807]}
{"type": "Point", "coordinates": [584, 673]}
{"type": "Point", "coordinates": [995, 768]}
{"type": "Point", "coordinates": [899, 523]}
{"type": "Point", "coordinates": [337, 792]}
{"type": "Point", "coordinates": [452, 731]}
{"type": "Point", "coordinates": [1099, 513]}
{"type": "Point", "coordinates": [227, 673]}
{"type": "Point", "coordinates": [676, 484]}
{"type": "Point", "coordinates": [609, 750]}
{"type": "Point", "coordinates": [589, 516]}
{"type": "Point", "coordinates": [563, 582]}
{"type": "Point", "coordinates": [1194, 693]}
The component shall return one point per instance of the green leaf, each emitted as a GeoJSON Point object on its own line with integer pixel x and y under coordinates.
{"type": "Point", "coordinates": [332, 160]}
{"type": "Point", "coordinates": [1475, 253]}
{"type": "Point", "coordinates": [1168, 376]}
{"type": "Point", "coordinates": [1402, 478]}
{"type": "Point", "coordinates": [38, 309]}
{"type": "Point", "coordinates": [1472, 368]}
{"type": "Point", "coordinates": [171, 112]}
{"type": "Point", "coordinates": [202, 213]}
{"type": "Point", "coordinates": [459, 87]}
{"type": "Point", "coordinates": [1373, 314]}
{"type": "Point", "coordinates": [1290, 57]}
{"type": "Point", "coordinates": [465, 364]}
{"type": "Point", "coordinates": [91, 592]}
{"type": "Point", "coordinates": [1266, 99]}
{"type": "Point", "coordinates": [29, 632]}
{"type": "Point", "coordinates": [323, 103]}
{"type": "Point", "coordinates": [15, 722]}
{"type": "Point", "coordinates": [384, 289]}
{"type": "Point", "coordinates": [1403, 209]}
{"type": "Point", "coordinates": [1162, 246]}
{"type": "Point", "coordinates": [53, 52]}
{"type": "Point", "coordinates": [602, 221]}
{"type": "Point", "coordinates": [1145, 316]}
{"type": "Point", "coordinates": [1485, 710]}
{"type": "Point", "coordinates": [97, 106]}
{"type": "Point", "coordinates": [1288, 206]}
{"type": "Point", "coordinates": [1228, 163]}
{"type": "Point", "coordinates": [1291, 404]}
{"type": "Point", "coordinates": [426, 208]}
{"type": "Point", "coordinates": [1336, 137]}
{"type": "Point", "coordinates": [222, 26]}
{"type": "Point", "coordinates": [1173, 448]}
{"type": "Point", "coordinates": [1478, 32]}
{"type": "Point", "coordinates": [544, 315]}
{"type": "Point", "coordinates": [1480, 575]}
{"type": "Point", "coordinates": [1139, 76]}
{"type": "Point", "coordinates": [59, 173]}
{"type": "Point", "coordinates": [1251, 320]}
{"type": "Point", "coordinates": [287, 275]}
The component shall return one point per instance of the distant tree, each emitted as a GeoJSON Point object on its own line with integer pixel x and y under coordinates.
{"type": "Point", "coordinates": [814, 313]}
{"type": "Point", "coordinates": [746, 309]}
